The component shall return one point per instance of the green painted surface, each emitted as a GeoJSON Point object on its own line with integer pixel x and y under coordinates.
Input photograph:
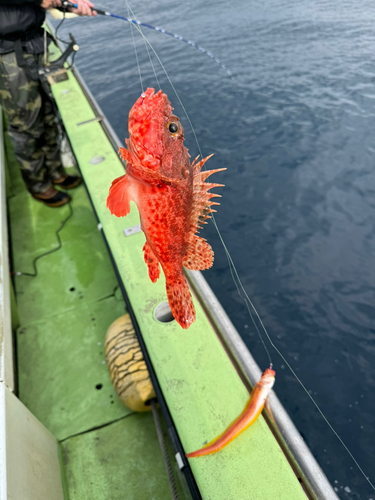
{"type": "Point", "coordinates": [202, 389]}
{"type": "Point", "coordinates": [35, 226]}
{"type": "Point", "coordinates": [64, 314]}
{"type": "Point", "coordinates": [61, 364]}
{"type": "Point", "coordinates": [82, 272]}
{"type": "Point", "coordinates": [120, 461]}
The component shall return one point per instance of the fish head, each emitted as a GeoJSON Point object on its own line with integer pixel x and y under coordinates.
{"type": "Point", "coordinates": [268, 378]}
{"type": "Point", "coordinates": [156, 136]}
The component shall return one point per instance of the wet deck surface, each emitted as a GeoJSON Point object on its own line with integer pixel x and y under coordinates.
{"type": "Point", "coordinates": [108, 451]}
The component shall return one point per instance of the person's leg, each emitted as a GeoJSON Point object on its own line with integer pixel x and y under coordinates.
{"type": "Point", "coordinates": [51, 146]}
{"type": "Point", "coordinates": [52, 149]}
{"type": "Point", "coordinates": [35, 147]}
{"type": "Point", "coordinates": [22, 103]}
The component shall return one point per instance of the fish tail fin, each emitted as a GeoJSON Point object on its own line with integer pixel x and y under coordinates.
{"type": "Point", "coordinates": [180, 301]}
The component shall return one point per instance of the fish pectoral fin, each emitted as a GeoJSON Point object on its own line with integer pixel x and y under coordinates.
{"type": "Point", "coordinates": [152, 263]}
{"type": "Point", "coordinates": [180, 301]}
{"type": "Point", "coordinates": [199, 254]}
{"type": "Point", "coordinates": [118, 200]}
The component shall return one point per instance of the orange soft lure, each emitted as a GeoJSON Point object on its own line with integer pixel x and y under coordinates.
{"type": "Point", "coordinates": [248, 416]}
{"type": "Point", "coordinates": [171, 195]}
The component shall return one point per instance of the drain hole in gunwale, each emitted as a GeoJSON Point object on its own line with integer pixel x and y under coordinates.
{"type": "Point", "coordinates": [163, 313]}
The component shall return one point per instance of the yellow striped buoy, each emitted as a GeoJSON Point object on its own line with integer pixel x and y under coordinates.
{"type": "Point", "coordinates": [127, 368]}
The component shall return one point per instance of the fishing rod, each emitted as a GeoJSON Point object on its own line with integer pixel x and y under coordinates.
{"type": "Point", "coordinates": [65, 4]}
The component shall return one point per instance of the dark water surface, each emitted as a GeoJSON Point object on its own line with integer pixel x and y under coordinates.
{"type": "Point", "coordinates": [296, 132]}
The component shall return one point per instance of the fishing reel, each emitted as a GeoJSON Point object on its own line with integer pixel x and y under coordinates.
{"type": "Point", "coordinates": [69, 5]}
{"type": "Point", "coordinates": [65, 5]}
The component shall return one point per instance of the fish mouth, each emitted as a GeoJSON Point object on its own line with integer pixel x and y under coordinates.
{"type": "Point", "coordinates": [147, 96]}
{"type": "Point", "coordinates": [147, 101]}
{"type": "Point", "coordinates": [150, 102]}
{"type": "Point", "coordinates": [147, 127]}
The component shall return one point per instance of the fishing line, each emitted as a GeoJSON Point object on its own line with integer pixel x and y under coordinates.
{"type": "Point", "coordinates": [247, 302]}
{"type": "Point", "coordinates": [230, 261]}
{"type": "Point", "coordinates": [171, 84]}
{"type": "Point", "coordinates": [136, 55]}
{"type": "Point", "coordinates": [174, 35]}
{"type": "Point", "coordinates": [152, 64]}
{"type": "Point", "coordinates": [240, 288]}
{"type": "Point", "coordinates": [66, 4]}
{"type": "Point", "coordinates": [232, 267]}
{"type": "Point", "coordinates": [144, 41]}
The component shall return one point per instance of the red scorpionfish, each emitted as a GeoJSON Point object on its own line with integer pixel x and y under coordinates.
{"type": "Point", "coordinates": [171, 196]}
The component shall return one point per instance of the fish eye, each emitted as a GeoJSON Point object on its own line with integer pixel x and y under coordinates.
{"type": "Point", "coordinates": [173, 127]}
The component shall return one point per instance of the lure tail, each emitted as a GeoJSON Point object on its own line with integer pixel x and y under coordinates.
{"type": "Point", "coordinates": [250, 413]}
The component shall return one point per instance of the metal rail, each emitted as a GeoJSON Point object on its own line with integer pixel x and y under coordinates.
{"type": "Point", "coordinates": [311, 476]}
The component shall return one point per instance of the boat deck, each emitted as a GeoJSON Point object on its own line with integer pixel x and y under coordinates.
{"type": "Point", "coordinates": [107, 451]}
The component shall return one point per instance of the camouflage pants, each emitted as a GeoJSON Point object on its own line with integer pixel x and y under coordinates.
{"type": "Point", "coordinates": [31, 123]}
